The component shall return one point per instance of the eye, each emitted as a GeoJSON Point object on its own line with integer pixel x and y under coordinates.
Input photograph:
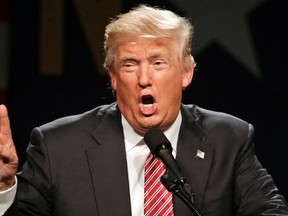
{"type": "Point", "coordinates": [129, 66]}
{"type": "Point", "coordinates": [160, 64]}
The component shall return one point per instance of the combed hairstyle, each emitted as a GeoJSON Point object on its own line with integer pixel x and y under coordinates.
{"type": "Point", "coordinates": [145, 20]}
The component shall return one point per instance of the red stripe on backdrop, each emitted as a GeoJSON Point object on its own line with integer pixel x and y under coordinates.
{"type": "Point", "coordinates": [4, 10]}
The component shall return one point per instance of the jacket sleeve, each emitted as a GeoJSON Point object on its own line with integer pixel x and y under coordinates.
{"type": "Point", "coordinates": [33, 195]}
{"type": "Point", "coordinates": [255, 192]}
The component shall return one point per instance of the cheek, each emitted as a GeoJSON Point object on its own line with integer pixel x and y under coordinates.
{"type": "Point", "coordinates": [171, 87]}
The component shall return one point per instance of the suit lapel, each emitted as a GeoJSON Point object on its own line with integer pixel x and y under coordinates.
{"type": "Point", "coordinates": [107, 162]}
{"type": "Point", "coordinates": [195, 167]}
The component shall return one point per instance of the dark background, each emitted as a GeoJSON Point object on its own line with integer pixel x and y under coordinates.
{"type": "Point", "coordinates": [221, 83]}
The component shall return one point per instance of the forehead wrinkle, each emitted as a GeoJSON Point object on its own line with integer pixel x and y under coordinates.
{"type": "Point", "coordinates": [159, 53]}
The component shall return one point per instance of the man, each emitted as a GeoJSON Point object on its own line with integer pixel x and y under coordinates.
{"type": "Point", "coordinates": [93, 163]}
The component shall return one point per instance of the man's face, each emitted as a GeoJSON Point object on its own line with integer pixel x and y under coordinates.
{"type": "Point", "coordinates": [148, 80]}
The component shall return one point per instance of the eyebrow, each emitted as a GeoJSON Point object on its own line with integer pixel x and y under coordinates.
{"type": "Point", "coordinates": [128, 58]}
{"type": "Point", "coordinates": [152, 55]}
{"type": "Point", "coordinates": [124, 59]}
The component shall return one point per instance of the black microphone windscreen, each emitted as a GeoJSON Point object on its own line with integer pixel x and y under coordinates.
{"type": "Point", "coordinates": [155, 138]}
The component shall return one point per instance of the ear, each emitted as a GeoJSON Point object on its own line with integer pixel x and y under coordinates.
{"type": "Point", "coordinates": [113, 79]}
{"type": "Point", "coordinates": [188, 72]}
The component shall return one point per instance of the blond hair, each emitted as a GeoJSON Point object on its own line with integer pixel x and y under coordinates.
{"type": "Point", "coordinates": [145, 20]}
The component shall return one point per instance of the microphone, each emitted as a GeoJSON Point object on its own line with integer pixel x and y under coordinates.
{"type": "Point", "coordinates": [161, 148]}
{"type": "Point", "coordinates": [173, 178]}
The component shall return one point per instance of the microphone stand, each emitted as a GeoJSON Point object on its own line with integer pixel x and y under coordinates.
{"type": "Point", "coordinates": [181, 189]}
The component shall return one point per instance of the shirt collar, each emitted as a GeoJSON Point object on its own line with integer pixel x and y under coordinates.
{"type": "Point", "coordinates": [131, 138]}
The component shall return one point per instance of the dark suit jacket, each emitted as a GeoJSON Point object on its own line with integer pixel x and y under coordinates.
{"type": "Point", "coordinates": [76, 166]}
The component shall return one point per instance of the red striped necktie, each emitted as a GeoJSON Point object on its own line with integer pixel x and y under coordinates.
{"type": "Point", "coordinates": [157, 199]}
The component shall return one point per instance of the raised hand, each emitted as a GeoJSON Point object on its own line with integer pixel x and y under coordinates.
{"type": "Point", "coordinates": [8, 154]}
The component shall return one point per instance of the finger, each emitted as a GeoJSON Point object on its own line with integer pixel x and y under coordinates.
{"type": "Point", "coordinates": [8, 155]}
{"type": "Point", "coordinates": [5, 131]}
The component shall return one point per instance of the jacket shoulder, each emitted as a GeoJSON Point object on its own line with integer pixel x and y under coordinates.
{"type": "Point", "coordinates": [88, 119]}
{"type": "Point", "coordinates": [214, 122]}
{"type": "Point", "coordinates": [210, 117]}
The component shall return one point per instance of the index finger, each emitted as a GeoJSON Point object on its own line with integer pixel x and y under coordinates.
{"type": "Point", "coordinates": [5, 131]}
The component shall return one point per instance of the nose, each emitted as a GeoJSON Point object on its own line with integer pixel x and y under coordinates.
{"type": "Point", "coordinates": [144, 76]}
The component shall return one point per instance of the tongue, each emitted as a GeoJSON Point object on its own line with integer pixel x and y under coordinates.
{"type": "Point", "coordinates": [148, 109]}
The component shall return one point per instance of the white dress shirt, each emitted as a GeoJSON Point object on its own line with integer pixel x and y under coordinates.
{"type": "Point", "coordinates": [7, 198]}
{"type": "Point", "coordinates": [137, 152]}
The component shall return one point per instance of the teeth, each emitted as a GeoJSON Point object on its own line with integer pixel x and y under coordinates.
{"type": "Point", "coordinates": [148, 105]}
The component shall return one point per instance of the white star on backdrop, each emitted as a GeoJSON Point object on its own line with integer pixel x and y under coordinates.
{"type": "Point", "coordinates": [224, 22]}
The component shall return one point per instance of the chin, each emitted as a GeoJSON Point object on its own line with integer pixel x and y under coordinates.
{"type": "Point", "coordinates": [150, 123]}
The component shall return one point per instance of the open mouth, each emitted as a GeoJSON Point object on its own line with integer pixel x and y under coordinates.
{"type": "Point", "coordinates": [148, 105]}
{"type": "Point", "coordinates": [147, 101]}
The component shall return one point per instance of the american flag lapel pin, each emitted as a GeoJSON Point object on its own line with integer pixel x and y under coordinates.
{"type": "Point", "coordinates": [200, 154]}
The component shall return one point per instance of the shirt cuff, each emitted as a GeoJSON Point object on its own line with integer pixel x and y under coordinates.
{"type": "Point", "coordinates": [7, 197]}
